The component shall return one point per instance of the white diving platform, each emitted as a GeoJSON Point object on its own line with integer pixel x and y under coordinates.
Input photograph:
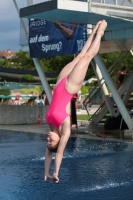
{"type": "Point", "coordinates": [68, 11]}
{"type": "Point", "coordinates": [118, 32]}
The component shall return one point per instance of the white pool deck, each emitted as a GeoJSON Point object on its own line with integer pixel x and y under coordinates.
{"type": "Point", "coordinates": [85, 130]}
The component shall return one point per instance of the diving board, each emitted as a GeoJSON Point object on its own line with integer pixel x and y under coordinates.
{"type": "Point", "coordinates": [118, 35]}
{"type": "Point", "coordinates": [67, 11]}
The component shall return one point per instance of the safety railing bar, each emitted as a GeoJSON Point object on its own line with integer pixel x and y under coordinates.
{"type": "Point", "coordinates": [84, 102]}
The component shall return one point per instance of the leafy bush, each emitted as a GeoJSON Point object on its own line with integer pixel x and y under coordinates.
{"type": "Point", "coordinates": [27, 77]}
{"type": "Point", "coordinates": [95, 83]}
{"type": "Point", "coordinates": [84, 89]}
{"type": "Point", "coordinates": [36, 90]}
{"type": "Point", "coordinates": [87, 84]}
{"type": "Point", "coordinates": [52, 80]}
{"type": "Point", "coordinates": [5, 92]}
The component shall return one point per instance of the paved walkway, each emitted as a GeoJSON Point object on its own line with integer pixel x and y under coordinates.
{"type": "Point", "coordinates": [91, 110]}
{"type": "Point", "coordinates": [85, 129]}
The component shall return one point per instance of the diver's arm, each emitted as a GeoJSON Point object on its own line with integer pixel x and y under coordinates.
{"type": "Point", "coordinates": [59, 155]}
{"type": "Point", "coordinates": [48, 158]}
{"type": "Point", "coordinates": [60, 151]}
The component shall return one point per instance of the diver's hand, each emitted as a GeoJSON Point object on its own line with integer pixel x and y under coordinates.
{"type": "Point", "coordinates": [46, 176]}
{"type": "Point", "coordinates": [54, 178]}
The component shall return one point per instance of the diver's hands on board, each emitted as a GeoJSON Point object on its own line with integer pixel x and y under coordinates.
{"type": "Point", "coordinates": [54, 178]}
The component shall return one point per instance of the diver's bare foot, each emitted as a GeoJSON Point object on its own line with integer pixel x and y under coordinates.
{"type": "Point", "coordinates": [102, 28]}
{"type": "Point", "coordinates": [96, 27]}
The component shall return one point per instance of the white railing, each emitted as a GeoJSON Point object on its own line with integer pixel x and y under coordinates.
{"type": "Point", "coordinates": [112, 2]}
{"type": "Point", "coordinates": [115, 2]}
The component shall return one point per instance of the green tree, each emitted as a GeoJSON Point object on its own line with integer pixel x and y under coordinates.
{"type": "Point", "coordinates": [27, 78]}
{"type": "Point", "coordinates": [109, 59]}
{"type": "Point", "coordinates": [4, 63]}
{"type": "Point", "coordinates": [5, 92]}
{"type": "Point", "coordinates": [55, 64]}
{"type": "Point", "coordinates": [22, 60]}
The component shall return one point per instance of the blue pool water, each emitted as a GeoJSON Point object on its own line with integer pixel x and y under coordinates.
{"type": "Point", "coordinates": [91, 169]}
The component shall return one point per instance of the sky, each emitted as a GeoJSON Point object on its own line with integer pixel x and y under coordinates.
{"type": "Point", "coordinates": [10, 24]}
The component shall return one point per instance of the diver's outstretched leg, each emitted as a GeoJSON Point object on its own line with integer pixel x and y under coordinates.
{"type": "Point", "coordinates": [77, 75]}
{"type": "Point", "coordinates": [69, 67]}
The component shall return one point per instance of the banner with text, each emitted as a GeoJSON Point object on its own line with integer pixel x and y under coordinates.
{"type": "Point", "coordinates": [52, 38]}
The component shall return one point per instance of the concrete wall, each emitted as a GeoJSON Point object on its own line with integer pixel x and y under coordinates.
{"type": "Point", "coordinates": [22, 114]}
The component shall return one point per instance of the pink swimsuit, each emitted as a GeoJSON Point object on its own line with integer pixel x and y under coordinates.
{"type": "Point", "coordinates": [57, 110]}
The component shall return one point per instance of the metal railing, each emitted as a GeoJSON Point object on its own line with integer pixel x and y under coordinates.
{"type": "Point", "coordinates": [115, 2]}
{"type": "Point", "coordinates": [14, 85]}
{"type": "Point", "coordinates": [112, 2]}
{"type": "Point", "coordinates": [87, 100]}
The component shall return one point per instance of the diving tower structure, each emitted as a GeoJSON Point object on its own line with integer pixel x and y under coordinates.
{"type": "Point", "coordinates": [118, 37]}
{"type": "Point", "coordinates": [118, 17]}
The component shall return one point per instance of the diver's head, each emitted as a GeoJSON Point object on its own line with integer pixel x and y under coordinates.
{"type": "Point", "coordinates": [52, 141]}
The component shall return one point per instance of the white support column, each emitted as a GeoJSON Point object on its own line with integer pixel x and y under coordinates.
{"type": "Point", "coordinates": [104, 88]}
{"type": "Point", "coordinates": [36, 60]}
{"type": "Point", "coordinates": [29, 2]}
{"type": "Point", "coordinates": [131, 51]}
{"type": "Point", "coordinates": [114, 92]}
{"type": "Point", "coordinates": [128, 92]}
{"type": "Point", "coordinates": [40, 70]}
{"type": "Point", "coordinates": [124, 2]}
{"type": "Point", "coordinates": [121, 90]}
{"type": "Point", "coordinates": [21, 20]}
{"type": "Point", "coordinates": [128, 88]}
{"type": "Point", "coordinates": [89, 5]}
{"type": "Point", "coordinates": [43, 79]}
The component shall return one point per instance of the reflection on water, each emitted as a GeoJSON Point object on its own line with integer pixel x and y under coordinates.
{"type": "Point", "coordinates": [91, 169]}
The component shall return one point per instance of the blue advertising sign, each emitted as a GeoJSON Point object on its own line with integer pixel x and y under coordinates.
{"type": "Point", "coordinates": [52, 38]}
